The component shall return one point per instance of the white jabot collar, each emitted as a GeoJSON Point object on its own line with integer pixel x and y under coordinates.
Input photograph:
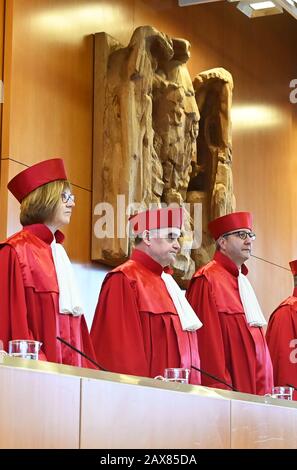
{"type": "Point", "coordinates": [188, 318]}
{"type": "Point", "coordinates": [251, 307]}
{"type": "Point", "coordinates": [69, 298]}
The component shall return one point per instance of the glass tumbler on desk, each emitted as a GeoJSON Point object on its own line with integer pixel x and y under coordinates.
{"type": "Point", "coordinates": [24, 348]}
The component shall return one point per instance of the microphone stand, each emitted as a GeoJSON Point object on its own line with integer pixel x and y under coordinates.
{"type": "Point", "coordinates": [214, 377]}
{"type": "Point", "coordinates": [105, 370]}
{"type": "Point", "coordinates": [81, 353]}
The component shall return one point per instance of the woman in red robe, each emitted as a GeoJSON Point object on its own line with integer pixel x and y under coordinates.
{"type": "Point", "coordinates": [39, 298]}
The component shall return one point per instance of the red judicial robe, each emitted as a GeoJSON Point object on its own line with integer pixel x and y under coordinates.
{"type": "Point", "coordinates": [281, 330]}
{"type": "Point", "coordinates": [229, 348]}
{"type": "Point", "coordinates": [136, 329]}
{"type": "Point", "coordinates": [29, 307]}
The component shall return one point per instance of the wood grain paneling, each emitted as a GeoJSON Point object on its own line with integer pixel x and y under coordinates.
{"type": "Point", "coordinates": [46, 405]}
{"type": "Point", "coordinates": [78, 232]}
{"type": "Point", "coordinates": [2, 22]}
{"type": "Point", "coordinates": [10, 208]}
{"type": "Point", "coordinates": [114, 417]}
{"type": "Point", "coordinates": [272, 283]}
{"type": "Point", "coordinates": [38, 410]}
{"type": "Point", "coordinates": [262, 426]}
{"type": "Point", "coordinates": [48, 76]}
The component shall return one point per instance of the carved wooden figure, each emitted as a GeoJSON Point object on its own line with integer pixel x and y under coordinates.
{"type": "Point", "coordinates": [146, 144]}
{"type": "Point", "coordinates": [211, 180]}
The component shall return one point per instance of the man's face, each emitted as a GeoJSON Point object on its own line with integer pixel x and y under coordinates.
{"type": "Point", "coordinates": [237, 245]}
{"type": "Point", "coordinates": [164, 248]}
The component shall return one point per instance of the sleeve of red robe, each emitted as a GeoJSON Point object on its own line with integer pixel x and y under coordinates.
{"type": "Point", "coordinates": [13, 308]}
{"type": "Point", "coordinates": [117, 332]}
{"type": "Point", "coordinates": [210, 340]}
{"type": "Point", "coordinates": [281, 330]}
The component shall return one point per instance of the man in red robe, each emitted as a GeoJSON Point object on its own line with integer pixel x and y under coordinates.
{"type": "Point", "coordinates": [139, 327]}
{"type": "Point", "coordinates": [38, 299]}
{"type": "Point", "coordinates": [232, 344]}
{"type": "Point", "coordinates": [281, 338]}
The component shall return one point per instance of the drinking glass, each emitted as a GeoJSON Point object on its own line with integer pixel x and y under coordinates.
{"type": "Point", "coordinates": [282, 393]}
{"type": "Point", "coordinates": [24, 348]}
{"type": "Point", "coordinates": [175, 374]}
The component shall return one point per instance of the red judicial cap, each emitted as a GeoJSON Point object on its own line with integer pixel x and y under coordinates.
{"type": "Point", "coordinates": [228, 223]}
{"type": "Point", "coordinates": [156, 219]}
{"type": "Point", "coordinates": [35, 176]}
{"type": "Point", "coordinates": [293, 266]}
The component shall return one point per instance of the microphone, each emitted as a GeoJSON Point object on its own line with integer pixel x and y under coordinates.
{"type": "Point", "coordinates": [292, 386]}
{"type": "Point", "coordinates": [215, 378]}
{"type": "Point", "coordinates": [82, 354]}
{"type": "Point", "coordinates": [105, 370]}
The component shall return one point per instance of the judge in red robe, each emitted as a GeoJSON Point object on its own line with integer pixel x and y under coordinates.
{"type": "Point", "coordinates": [281, 338]}
{"type": "Point", "coordinates": [139, 327]}
{"type": "Point", "coordinates": [37, 299]}
{"type": "Point", "coordinates": [232, 344]}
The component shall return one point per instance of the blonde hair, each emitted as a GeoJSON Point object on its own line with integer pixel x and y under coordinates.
{"type": "Point", "coordinates": [40, 205]}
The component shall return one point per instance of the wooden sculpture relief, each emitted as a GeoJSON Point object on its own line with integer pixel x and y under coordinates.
{"type": "Point", "coordinates": [146, 144]}
{"type": "Point", "coordinates": [211, 179]}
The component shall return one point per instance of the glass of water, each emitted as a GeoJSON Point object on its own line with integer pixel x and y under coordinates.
{"type": "Point", "coordinates": [24, 348]}
{"type": "Point", "coordinates": [175, 374]}
{"type": "Point", "coordinates": [282, 393]}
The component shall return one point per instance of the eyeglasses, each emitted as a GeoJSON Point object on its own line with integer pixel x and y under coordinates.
{"type": "Point", "coordinates": [242, 234]}
{"type": "Point", "coordinates": [67, 197]}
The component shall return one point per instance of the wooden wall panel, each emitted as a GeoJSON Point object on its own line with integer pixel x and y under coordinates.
{"type": "Point", "coordinates": [113, 416]}
{"type": "Point", "coordinates": [10, 207]}
{"type": "Point", "coordinates": [272, 283]}
{"type": "Point", "coordinates": [262, 426]}
{"type": "Point", "coordinates": [78, 246]}
{"type": "Point", "coordinates": [38, 410]}
{"type": "Point", "coordinates": [48, 76]}
{"type": "Point", "coordinates": [2, 22]}
{"type": "Point", "coordinates": [51, 96]}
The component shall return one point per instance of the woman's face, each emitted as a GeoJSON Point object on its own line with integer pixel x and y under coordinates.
{"type": "Point", "coordinates": [63, 211]}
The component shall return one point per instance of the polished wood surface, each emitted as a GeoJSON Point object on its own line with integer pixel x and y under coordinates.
{"type": "Point", "coordinates": [2, 22]}
{"type": "Point", "coordinates": [272, 283]}
{"type": "Point", "coordinates": [263, 426]}
{"type": "Point", "coordinates": [150, 418]}
{"type": "Point", "coordinates": [38, 410]}
{"type": "Point", "coordinates": [78, 232]}
{"type": "Point", "coordinates": [10, 208]}
{"type": "Point", "coordinates": [47, 405]}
